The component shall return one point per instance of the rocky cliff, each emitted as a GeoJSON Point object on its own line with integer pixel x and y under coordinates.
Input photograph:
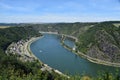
{"type": "Point", "coordinates": [101, 41]}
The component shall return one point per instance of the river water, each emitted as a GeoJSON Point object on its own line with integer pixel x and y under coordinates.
{"type": "Point", "coordinates": [49, 50]}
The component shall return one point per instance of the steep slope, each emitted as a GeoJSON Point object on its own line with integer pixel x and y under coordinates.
{"type": "Point", "coordinates": [12, 68]}
{"type": "Point", "coordinates": [74, 29]}
{"type": "Point", "coordinates": [101, 41]}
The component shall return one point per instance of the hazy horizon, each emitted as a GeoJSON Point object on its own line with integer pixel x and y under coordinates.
{"type": "Point", "coordinates": [52, 11]}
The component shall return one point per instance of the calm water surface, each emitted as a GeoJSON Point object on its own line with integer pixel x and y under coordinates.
{"type": "Point", "coordinates": [69, 43]}
{"type": "Point", "coordinates": [49, 50]}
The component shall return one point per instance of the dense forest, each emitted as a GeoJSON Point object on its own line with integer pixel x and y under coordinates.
{"type": "Point", "coordinates": [13, 69]}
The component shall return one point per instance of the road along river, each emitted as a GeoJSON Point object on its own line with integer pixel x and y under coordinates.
{"type": "Point", "coordinates": [50, 51]}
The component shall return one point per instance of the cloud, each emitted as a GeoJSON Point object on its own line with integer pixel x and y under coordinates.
{"type": "Point", "coordinates": [5, 6]}
{"type": "Point", "coordinates": [105, 5]}
{"type": "Point", "coordinates": [54, 18]}
{"type": "Point", "coordinates": [14, 8]}
{"type": "Point", "coordinates": [67, 7]}
{"type": "Point", "coordinates": [62, 11]}
{"type": "Point", "coordinates": [75, 5]}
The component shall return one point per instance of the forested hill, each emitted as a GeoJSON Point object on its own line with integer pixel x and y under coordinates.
{"type": "Point", "coordinates": [14, 34]}
{"type": "Point", "coordinates": [12, 68]}
{"type": "Point", "coordinates": [102, 41]}
{"type": "Point", "coordinates": [74, 29]}
{"type": "Point", "coordinates": [98, 40]}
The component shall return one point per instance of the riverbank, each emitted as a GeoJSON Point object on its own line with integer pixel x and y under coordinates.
{"type": "Point", "coordinates": [98, 61]}
{"type": "Point", "coordinates": [45, 67]}
{"type": "Point", "coordinates": [93, 60]}
{"type": "Point", "coordinates": [56, 33]}
{"type": "Point", "coordinates": [27, 47]}
{"type": "Point", "coordinates": [23, 52]}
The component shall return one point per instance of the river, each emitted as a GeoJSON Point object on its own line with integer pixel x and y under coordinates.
{"type": "Point", "coordinates": [49, 50]}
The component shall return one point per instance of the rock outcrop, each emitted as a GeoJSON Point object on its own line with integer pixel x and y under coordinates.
{"type": "Point", "coordinates": [103, 42]}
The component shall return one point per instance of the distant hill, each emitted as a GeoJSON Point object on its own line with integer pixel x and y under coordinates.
{"type": "Point", "coordinates": [74, 29]}
{"type": "Point", "coordinates": [8, 24]}
{"type": "Point", "coordinates": [99, 40]}
{"type": "Point", "coordinates": [111, 22]}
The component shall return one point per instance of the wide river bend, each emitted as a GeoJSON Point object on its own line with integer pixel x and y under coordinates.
{"type": "Point", "coordinates": [49, 50]}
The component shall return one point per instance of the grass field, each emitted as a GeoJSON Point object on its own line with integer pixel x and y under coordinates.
{"type": "Point", "coordinates": [2, 27]}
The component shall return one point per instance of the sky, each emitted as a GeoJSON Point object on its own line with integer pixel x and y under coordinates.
{"type": "Point", "coordinates": [40, 11]}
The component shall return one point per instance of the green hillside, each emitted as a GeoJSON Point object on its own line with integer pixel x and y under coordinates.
{"type": "Point", "coordinates": [74, 29]}
{"type": "Point", "coordinates": [12, 68]}
{"type": "Point", "coordinates": [103, 36]}
{"type": "Point", "coordinates": [101, 41]}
